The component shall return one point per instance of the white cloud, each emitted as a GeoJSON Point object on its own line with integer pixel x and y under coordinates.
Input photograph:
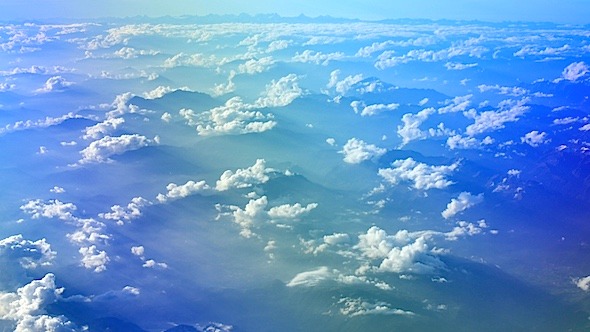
{"type": "Point", "coordinates": [131, 290]}
{"type": "Point", "coordinates": [510, 111]}
{"type": "Point", "coordinates": [57, 190]}
{"type": "Point", "coordinates": [457, 104]}
{"type": "Point", "coordinates": [233, 118]}
{"type": "Point", "coordinates": [342, 86]}
{"type": "Point", "coordinates": [277, 45]}
{"type": "Point", "coordinates": [243, 178]}
{"type": "Point", "coordinates": [102, 128]}
{"type": "Point", "coordinates": [331, 141]}
{"type": "Point", "coordinates": [222, 89]}
{"type": "Point", "coordinates": [459, 66]}
{"type": "Point", "coordinates": [42, 123]}
{"type": "Point", "coordinates": [356, 151]}
{"type": "Point", "coordinates": [288, 211]}
{"type": "Point", "coordinates": [101, 150]}
{"type": "Point", "coordinates": [89, 231]}
{"type": "Point", "coordinates": [387, 59]}
{"type": "Point", "coordinates": [53, 209]}
{"type": "Point", "coordinates": [152, 264]}
{"type": "Point", "coordinates": [132, 53]}
{"type": "Point", "coordinates": [252, 213]}
{"type": "Point", "coordinates": [166, 117]}
{"type": "Point", "coordinates": [26, 307]}
{"type": "Point", "coordinates": [575, 70]}
{"type": "Point", "coordinates": [422, 176]}
{"type": "Point", "coordinates": [515, 91]}
{"type": "Point", "coordinates": [565, 121]}
{"type": "Point", "coordinates": [131, 211]}
{"type": "Point", "coordinates": [280, 93]}
{"type": "Point", "coordinates": [317, 57]}
{"type": "Point", "coordinates": [583, 283]}
{"type": "Point", "coordinates": [464, 228]}
{"type": "Point", "coordinates": [367, 51]}
{"type": "Point", "coordinates": [410, 130]}
{"type": "Point", "coordinates": [138, 251]}
{"type": "Point", "coordinates": [256, 66]}
{"type": "Point", "coordinates": [403, 252]}
{"type": "Point", "coordinates": [535, 138]}
{"type": "Point", "coordinates": [375, 109]}
{"type": "Point", "coordinates": [193, 60]}
{"type": "Point", "coordinates": [464, 201]}
{"type": "Point", "coordinates": [180, 191]}
{"type": "Point", "coordinates": [311, 278]}
{"type": "Point", "coordinates": [94, 259]}
{"type": "Point", "coordinates": [55, 83]}
{"type": "Point", "coordinates": [357, 307]}
{"type": "Point", "coordinates": [161, 91]}
{"type": "Point", "coordinates": [585, 127]}
{"type": "Point", "coordinates": [29, 254]}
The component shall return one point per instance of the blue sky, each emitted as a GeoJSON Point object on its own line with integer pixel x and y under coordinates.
{"type": "Point", "coordinates": [567, 11]}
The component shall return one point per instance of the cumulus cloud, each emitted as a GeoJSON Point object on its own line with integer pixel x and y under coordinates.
{"type": "Point", "coordinates": [358, 307]}
{"type": "Point", "coordinates": [583, 283]}
{"type": "Point", "coordinates": [515, 91]}
{"type": "Point", "coordinates": [509, 111]}
{"type": "Point", "coordinates": [55, 83]}
{"type": "Point", "coordinates": [42, 123]}
{"type": "Point", "coordinates": [288, 211]}
{"type": "Point", "coordinates": [132, 53]}
{"type": "Point", "coordinates": [410, 130]}
{"type": "Point", "coordinates": [575, 71]}
{"type": "Point", "coordinates": [102, 128]}
{"type": "Point", "coordinates": [161, 91]}
{"type": "Point", "coordinates": [464, 201]}
{"type": "Point", "coordinates": [459, 66]}
{"type": "Point", "coordinates": [457, 104]}
{"type": "Point", "coordinates": [403, 252]}
{"type": "Point", "coordinates": [335, 239]}
{"type": "Point", "coordinates": [94, 259]}
{"type": "Point", "coordinates": [152, 264]}
{"type": "Point", "coordinates": [89, 231]}
{"type": "Point", "coordinates": [132, 211]}
{"type": "Point", "coordinates": [225, 88]}
{"type": "Point", "coordinates": [374, 109]}
{"type": "Point", "coordinates": [281, 92]}
{"type": "Point", "coordinates": [464, 228]}
{"type": "Point", "coordinates": [243, 178]}
{"type": "Point", "coordinates": [180, 191]}
{"type": "Point", "coordinates": [317, 57]}
{"type": "Point", "coordinates": [52, 209]}
{"type": "Point", "coordinates": [256, 66]}
{"type": "Point", "coordinates": [311, 278]}
{"type": "Point", "coordinates": [388, 59]}
{"type": "Point", "coordinates": [233, 118]}
{"type": "Point", "coordinates": [29, 254]}
{"type": "Point", "coordinates": [535, 138]}
{"type": "Point", "coordinates": [342, 86]}
{"type": "Point", "coordinates": [356, 151]}
{"type": "Point", "coordinates": [252, 213]}
{"type": "Point", "coordinates": [26, 307]}
{"type": "Point", "coordinates": [421, 175]}
{"type": "Point", "coordinates": [277, 45]}
{"type": "Point", "coordinates": [57, 190]}
{"type": "Point", "coordinates": [466, 142]}
{"type": "Point", "coordinates": [101, 150]}
{"type": "Point", "coordinates": [585, 127]}
{"type": "Point", "coordinates": [138, 251]}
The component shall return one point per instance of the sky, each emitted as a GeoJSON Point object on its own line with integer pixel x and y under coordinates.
{"type": "Point", "coordinates": [567, 11]}
{"type": "Point", "coordinates": [280, 175]}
